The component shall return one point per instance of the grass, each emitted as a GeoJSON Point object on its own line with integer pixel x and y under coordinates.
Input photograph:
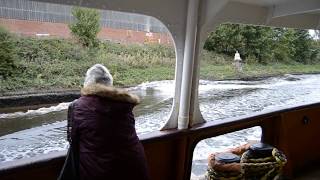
{"type": "Point", "coordinates": [219, 72]}
{"type": "Point", "coordinates": [70, 74]}
{"type": "Point", "coordinates": [50, 64]}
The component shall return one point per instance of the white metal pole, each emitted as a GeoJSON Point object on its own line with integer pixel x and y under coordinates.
{"type": "Point", "coordinates": [188, 64]}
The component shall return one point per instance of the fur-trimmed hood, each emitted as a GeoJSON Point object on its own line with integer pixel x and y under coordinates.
{"type": "Point", "coordinates": [110, 92]}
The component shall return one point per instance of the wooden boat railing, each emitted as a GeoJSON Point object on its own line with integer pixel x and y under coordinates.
{"type": "Point", "coordinates": [293, 130]}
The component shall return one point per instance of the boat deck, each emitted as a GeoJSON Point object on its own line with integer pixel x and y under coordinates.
{"type": "Point", "coordinates": [313, 174]}
{"type": "Point", "coordinates": [310, 175]}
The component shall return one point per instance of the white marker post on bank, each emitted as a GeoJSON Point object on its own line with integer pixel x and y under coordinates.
{"type": "Point", "coordinates": [238, 62]}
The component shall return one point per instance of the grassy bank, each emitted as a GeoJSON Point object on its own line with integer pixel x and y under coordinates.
{"type": "Point", "coordinates": [49, 64]}
{"type": "Point", "coordinates": [219, 72]}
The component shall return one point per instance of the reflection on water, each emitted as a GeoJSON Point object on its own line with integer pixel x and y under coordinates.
{"type": "Point", "coordinates": [31, 132]}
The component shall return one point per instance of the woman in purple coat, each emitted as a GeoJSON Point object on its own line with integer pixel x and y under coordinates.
{"type": "Point", "coordinates": [103, 128]}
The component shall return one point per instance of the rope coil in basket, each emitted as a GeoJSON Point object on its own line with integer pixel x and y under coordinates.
{"type": "Point", "coordinates": [214, 175]}
{"type": "Point", "coordinates": [263, 168]}
{"type": "Point", "coordinates": [223, 171]}
{"type": "Point", "coordinates": [250, 167]}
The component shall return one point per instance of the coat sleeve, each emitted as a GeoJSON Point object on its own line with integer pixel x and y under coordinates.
{"type": "Point", "coordinates": [72, 129]}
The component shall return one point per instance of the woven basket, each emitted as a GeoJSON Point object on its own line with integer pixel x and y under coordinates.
{"type": "Point", "coordinates": [251, 168]}
{"type": "Point", "coordinates": [215, 175]}
{"type": "Point", "coordinates": [217, 170]}
{"type": "Point", "coordinates": [262, 168]}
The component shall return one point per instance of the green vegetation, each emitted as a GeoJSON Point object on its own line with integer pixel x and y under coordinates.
{"type": "Point", "coordinates": [49, 64]}
{"type": "Point", "coordinates": [7, 54]}
{"type": "Point", "coordinates": [32, 64]}
{"type": "Point", "coordinates": [264, 45]}
{"type": "Point", "coordinates": [86, 26]}
{"type": "Point", "coordinates": [250, 71]}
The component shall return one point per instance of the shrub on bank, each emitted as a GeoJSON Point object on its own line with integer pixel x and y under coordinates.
{"type": "Point", "coordinates": [47, 50]}
{"type": "Point", "coordinates": [61, 63]}
{"type": "Point", "coordinates": [86, 26]}
{"type": "Point", "coordinates": [7, 54]}
{"type": "Point", "coordinates": [146, 50]}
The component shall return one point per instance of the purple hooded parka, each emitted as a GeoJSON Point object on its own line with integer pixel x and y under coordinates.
{"type": "Point", "coordinates": [104, 128]}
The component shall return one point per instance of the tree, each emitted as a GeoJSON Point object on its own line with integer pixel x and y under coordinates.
{"type": "Point", "coordinates": [7, 54]}
{"type": "Point", "coordinates": [258, 42]}
{"type": "Point", "coordinates": [225, 39]}
{"type": "Point", "coordinates": [264, 44]}
{"type": "Point", "coordinates": [86, 26]}
{"type": "Point", "coordinates": [302, 43]}
{"type": "Point", "coordinates": [284, 49]}
{"type": "Point", "coordinates": [248, 40]}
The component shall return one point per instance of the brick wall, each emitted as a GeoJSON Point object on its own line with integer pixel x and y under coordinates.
{"type": "Point", "coordinates": [48, 29]}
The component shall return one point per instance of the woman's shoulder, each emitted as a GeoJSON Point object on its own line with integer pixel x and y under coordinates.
{"type": "Point", "coordinates": [110, 93]}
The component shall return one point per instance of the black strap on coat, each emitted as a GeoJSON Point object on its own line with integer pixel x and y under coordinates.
{"type": "Point", "coordinates": [70, 169]}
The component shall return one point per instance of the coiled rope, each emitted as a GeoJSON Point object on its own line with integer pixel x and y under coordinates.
{"type": "Point", "coordinates": [248, 168]}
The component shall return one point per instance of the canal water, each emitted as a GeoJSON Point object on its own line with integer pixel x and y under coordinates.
{"type": "Point", "coordinates": [30, 132]}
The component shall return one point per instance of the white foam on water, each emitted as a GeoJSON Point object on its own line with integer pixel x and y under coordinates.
{"type": "Point", "coordinates": [218, 100]}
{"type": "Point", "coordinates": [165, 87]}
{"type": "Point", "coordinates": [206, 86]}
{"type": "Point", "coordinates": [269, 83]}
{"type": "Point", "coordinates": [221, 143]}
{"type": "Point", "coordinates": [37, 112]}
{"type": "Point", "coordinates": [31, 142]}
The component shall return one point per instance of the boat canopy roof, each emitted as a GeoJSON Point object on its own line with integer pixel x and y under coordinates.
{"type": "Point", "coordinates": [281, 13]}
{"type": "Point", "coordinates": [190, 21]}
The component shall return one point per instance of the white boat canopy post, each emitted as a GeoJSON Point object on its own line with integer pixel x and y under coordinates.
{"type": "Point", "coordinates": [190, 21]}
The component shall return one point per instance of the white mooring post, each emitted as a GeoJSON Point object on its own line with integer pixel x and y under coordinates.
{"type": "Point", "coordinates": [237, 62]}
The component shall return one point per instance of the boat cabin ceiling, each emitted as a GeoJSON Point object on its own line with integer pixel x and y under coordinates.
{"type": "Point", "coordinates": [170, 152]}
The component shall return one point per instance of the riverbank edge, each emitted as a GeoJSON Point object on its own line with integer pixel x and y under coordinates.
{"type": "Point", "coordinates": [34, 98]}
